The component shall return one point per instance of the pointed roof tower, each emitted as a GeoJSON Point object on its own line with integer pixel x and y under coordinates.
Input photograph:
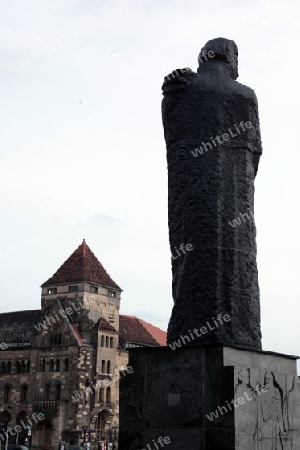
{"type": "Point", "coordinates": [82, 266]}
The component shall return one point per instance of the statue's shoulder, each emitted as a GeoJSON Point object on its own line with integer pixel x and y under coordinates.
{"type": "Point", "coordinates": [178, 79]}
{"type": "Point", "coordinates": [246, 90]}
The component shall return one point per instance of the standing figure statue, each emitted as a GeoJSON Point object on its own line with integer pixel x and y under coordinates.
{"type": "Point", "coordinates": [212, 135]}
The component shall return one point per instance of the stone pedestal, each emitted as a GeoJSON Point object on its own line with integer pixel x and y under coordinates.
{"type": "Point", "coordinates": [210, 397]}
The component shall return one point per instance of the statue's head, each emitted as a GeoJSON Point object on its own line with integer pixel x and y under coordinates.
{"type": "Point", "coordinates": [221, 49]}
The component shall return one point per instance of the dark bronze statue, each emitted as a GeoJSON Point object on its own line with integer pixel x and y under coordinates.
{"type": "Point", "coordinates": [212, 134]}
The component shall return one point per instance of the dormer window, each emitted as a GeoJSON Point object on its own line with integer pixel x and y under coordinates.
{"type": "Point", "coordinates": [94, 289]}
{"type": "Point", "coordinates": [73, 288]}
{"type": "Point", "coordinates": [111, 293]}
{"type": "Point", "coordinates": [52, 291]}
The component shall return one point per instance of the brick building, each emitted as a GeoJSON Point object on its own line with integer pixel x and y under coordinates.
{"type": "Point", "coordinates": [60, 366]}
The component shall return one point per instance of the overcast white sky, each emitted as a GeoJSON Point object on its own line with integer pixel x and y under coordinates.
{"type": "Point", "coordinates": [83, 153]}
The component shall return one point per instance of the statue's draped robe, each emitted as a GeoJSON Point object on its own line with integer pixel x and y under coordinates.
{"type": "Point", "coordinates": [219, 276]}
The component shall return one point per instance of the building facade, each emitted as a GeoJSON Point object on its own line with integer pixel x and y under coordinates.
{"type": "Point", "coordinates": [60, 366]}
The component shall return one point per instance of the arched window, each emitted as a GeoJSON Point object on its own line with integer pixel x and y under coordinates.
{"type": "Point", "coordinates": [24, 392]}
{"type": "Point", "coordinates": [6, 394]}
{"type": "Point", "coordinates": [111, 342]}
{"type": "Point", "coordinates": [103, 366]}
{"type": "Point", "coordinates": [43, 365]}
{"type": "Point", "coordinates": [22, 367]}
{"type": "Point", "coordinates": [47, 391]}
{"type": "Point", "coordinates": [51, 368]}
{"type": "Point", "coordinates": [102, 341]}
{"type": "Point", "coordinates": [18, 367]}
{"type": "Point", "coordinates": [57, 365]}
{"type": "Point", "coordinates": [58, 392]}
{"type": "Point", "coordinates": [108, 395]}
{"type": "Point", "coordinates": [66, 365]}
{"type": "Point", "coordinates": [59, 338]}
{"type": "Point", "coordinates": [28, 366]}
{"type": "Point", "coordinates": [8, 367]}
{"type": "Point", "coordinates": [108, 367]}
{"type": "Point", "coordinates": [2, 367]}
{"type": "Point", "coordinates": [106, 341]}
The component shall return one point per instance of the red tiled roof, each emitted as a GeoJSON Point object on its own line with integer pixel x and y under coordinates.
{"type": "Point", "coordinates": [132, 329]}
{"type": "Point", "coordinates": [82, 265]}
{"type": "Point", "coordinates": [105, 325]}
{"type": "Point", "coordinates": [159, 335]}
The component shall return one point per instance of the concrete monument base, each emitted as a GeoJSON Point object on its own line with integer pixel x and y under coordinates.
{"type": "Point", "coordinates": [210, 397]}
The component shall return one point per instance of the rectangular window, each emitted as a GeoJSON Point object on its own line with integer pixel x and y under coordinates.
{"type": "Point", "coordinates": [52, 291]}
{"type": "Point", "coordinates": [111, 293]}
{"type": "Point", "coordinates": [73, 288]}
{"type": "Point", "coordinates": [94, 289]}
